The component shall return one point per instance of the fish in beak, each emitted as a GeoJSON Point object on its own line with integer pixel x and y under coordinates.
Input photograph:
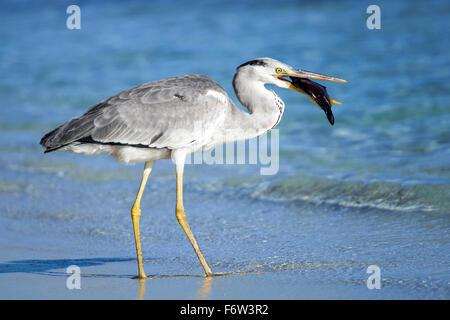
{"type": "Point", "coordinates": [317, 93]}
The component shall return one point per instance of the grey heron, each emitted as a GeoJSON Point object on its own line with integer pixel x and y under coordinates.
{"type": "Point", "coordinates": [170, 118]}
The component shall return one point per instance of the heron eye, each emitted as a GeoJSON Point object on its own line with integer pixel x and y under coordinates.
{"type": "Point", "coordinates": [278, 70]}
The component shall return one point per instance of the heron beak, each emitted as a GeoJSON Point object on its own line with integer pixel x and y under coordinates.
{"type": "Point", "coordinates": [316, 93]}
{"type": "Point", "coordinates": [312, 75]}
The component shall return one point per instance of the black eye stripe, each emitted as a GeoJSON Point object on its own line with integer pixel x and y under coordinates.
{"type": "Point", "coordinates": [253, 63]}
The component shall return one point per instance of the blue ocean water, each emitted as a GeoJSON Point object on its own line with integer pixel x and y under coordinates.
{"type": "Point", "coordinates": [374, 189]}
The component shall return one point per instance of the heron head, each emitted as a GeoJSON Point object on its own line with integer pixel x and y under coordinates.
{"type": "Point", "coordinates": [271, 71]}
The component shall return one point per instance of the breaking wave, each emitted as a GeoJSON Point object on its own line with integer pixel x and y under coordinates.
{"type": "Point", "coordinates": [381, 195]}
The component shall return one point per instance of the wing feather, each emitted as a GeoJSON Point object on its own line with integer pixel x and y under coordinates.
{"type": "Point", "coordinates": [170, 113]}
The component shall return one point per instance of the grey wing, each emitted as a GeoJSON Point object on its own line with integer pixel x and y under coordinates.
{"type": "Point", "coordinates": [170, 113]}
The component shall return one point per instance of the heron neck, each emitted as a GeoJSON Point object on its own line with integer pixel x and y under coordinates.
{"type": "Point", "coordinates": [264, 107]}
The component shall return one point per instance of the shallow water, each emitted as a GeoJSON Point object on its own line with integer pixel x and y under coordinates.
{"type": "Point", "coordinates": [374, 189]}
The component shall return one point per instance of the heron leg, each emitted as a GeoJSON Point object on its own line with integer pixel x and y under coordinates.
{"type": "Point", "coordinates": [181, 217]}
{"type": "Point", "coordinates": [135, 215]}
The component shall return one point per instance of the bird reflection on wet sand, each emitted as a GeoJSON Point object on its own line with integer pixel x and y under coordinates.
{"type": "Point", "coordinates": [202, 293]}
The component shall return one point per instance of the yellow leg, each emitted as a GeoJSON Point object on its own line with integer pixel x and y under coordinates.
{"type": "Point", "coordinates": [181, 217]}
{"type": "Point", "coordinates": [135, 215]}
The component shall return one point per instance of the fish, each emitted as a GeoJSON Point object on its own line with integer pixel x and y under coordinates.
{"type": "Point", "coordinates": [317, 94]}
